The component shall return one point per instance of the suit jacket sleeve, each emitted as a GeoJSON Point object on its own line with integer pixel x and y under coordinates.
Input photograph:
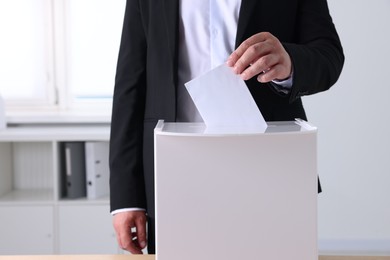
{"type": "Point", "coordinates": [317, 54]}
{"type": "Point", "coordinates": [127, 187]}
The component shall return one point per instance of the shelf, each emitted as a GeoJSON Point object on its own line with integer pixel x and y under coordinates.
{"type": "Point", "coordinates": [32, 176]}
{"type": "Point", "coordinates": [83, 201]}
{"type": "Point", "coordinates": [45, 196]}
{"type": "Point", "coordinates": [41, 196]}
{"type": "Point", "coordinates": [55, 133]}
{"type": "Point", "coordinates": [79, 116]}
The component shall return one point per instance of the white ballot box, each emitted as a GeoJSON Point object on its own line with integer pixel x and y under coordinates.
{"type": "Point", "coordinates": [232, 193]}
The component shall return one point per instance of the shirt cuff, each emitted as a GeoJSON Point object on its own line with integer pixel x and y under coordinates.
{"type": "Point", "coordinates": [287, 83]}
{"type": "Point", "coordinates": [126, 210]}
{"type": "Point", "coordinates": [283, 86]}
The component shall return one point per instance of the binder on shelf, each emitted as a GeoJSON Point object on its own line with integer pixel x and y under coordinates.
{"type": "Point", "coordinates": [97, 169]}
{"type": "Point", "coordinates": [75, 173]}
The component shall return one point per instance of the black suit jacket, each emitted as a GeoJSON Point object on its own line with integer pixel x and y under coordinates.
{"type": "Point", "coordinates": [146, 79]}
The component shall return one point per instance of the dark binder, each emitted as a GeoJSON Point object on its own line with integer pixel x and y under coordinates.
{"type": "Point", "coordinates": [75, 170]}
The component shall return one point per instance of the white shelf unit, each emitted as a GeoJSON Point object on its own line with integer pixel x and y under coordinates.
{"type": "Point", "coordinates": [34, 217]}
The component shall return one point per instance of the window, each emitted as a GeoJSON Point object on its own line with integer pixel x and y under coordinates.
{"type": "Point", "coordinates": [93, 30]}
{"type": "Point", "coordinates": [59, 54]}
{"type": "Point", "coordinates": [25, 51]}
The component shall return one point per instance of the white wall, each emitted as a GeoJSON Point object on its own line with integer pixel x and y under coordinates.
{"type": "Point", "coordinates": [354, 134]}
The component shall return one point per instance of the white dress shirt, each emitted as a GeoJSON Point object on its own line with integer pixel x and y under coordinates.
{"type": "Point", "coordinates": [207, 34]}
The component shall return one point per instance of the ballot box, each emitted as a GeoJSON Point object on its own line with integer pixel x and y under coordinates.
{"type": "Point", "coordinates": [229, 193]}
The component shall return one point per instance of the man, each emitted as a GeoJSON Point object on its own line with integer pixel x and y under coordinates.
{"type": "Point", "coordinates": [284, 49]}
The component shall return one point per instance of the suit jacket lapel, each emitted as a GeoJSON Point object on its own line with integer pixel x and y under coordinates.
{"type": "Point", "coordinates": [247, 7]}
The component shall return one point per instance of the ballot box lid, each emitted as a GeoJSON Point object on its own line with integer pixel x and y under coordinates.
{"type": "Point", "coordinates": [195, 129]}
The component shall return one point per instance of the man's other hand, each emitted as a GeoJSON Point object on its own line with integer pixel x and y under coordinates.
{"type": "Point", "coordinates": [130, 228]}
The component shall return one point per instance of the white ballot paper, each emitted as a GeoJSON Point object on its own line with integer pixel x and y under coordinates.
{"type": "Point", "coordinates": [223, 100]}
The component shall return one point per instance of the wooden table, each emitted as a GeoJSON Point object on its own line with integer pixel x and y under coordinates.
{"type": "Point", "coordinates": [151, 257]}
{"type": "Point", "coordinates": [78, 257]}
{"type": "Point", "coordinates": [354, 258]}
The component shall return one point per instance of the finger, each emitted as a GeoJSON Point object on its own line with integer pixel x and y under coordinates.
{"type": "Point", "coordinates": [260, 66]}
{"type": "Point", "coordinates": [236, 55]}
{"type": "Point", "coordinates": [134, 247]}
{"type": "Point", "coordinates": [252, 55]}
{"type": "Point", "coordinates": [272, 74]}
{"type": "Point", "coordinates": [124, 237]}
{"type": "Point", "coordinates": [141, 231]}
{"type": "Point", "coordinates": [127, 240]}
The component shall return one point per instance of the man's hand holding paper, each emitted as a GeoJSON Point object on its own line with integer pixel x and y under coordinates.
{"type": "Point", "coordinates": [262, 55]}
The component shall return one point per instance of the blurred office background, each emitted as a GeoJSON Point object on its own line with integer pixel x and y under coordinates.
{"type": "Point", "coordinates": [58, 57]}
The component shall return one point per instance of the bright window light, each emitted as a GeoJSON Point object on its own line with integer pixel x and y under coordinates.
{"type": "Point", "coordinates": [93, 37]}
{"type": "Point", "coordinates": [25, 50]}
